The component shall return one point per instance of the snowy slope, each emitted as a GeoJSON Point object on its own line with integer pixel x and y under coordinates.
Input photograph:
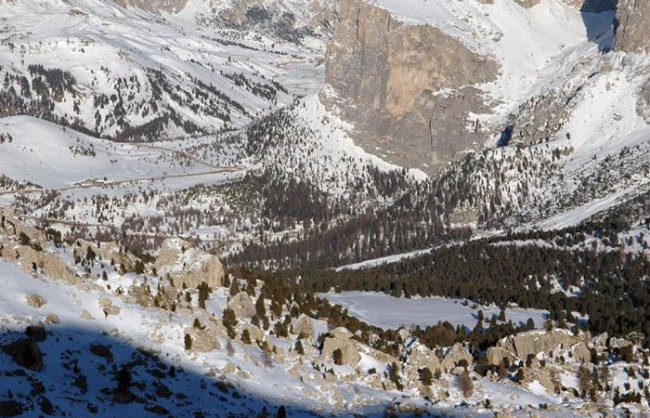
{"type": "Point", "coordinates": [385, 311]}
{"type": "Point", "coordinates": [528, 43]}
{"type": "Point", "coordinates": [133, 71]}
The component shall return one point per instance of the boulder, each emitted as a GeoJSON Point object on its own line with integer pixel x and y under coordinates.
{"type": "Point", "coordinates": [341, 339]}
{"type": "Point", "coordinates": [303, 325]}
{"type": "Point", "coordinates": [255, 332]}
{"type": "Point", "coordinates": [495, 355]}
{"type": "Point", "coordinates": [242, 305]}
{"type": "Point", "coordinates": [455, 355]}
{"type": "Point", "coordinates": [600, 341]}
{"type": "Point", "coordinates": [35, 301]}
{"type": "Point", "coordinates": [191, 266]}
{"type": "Point", "coordinates": [25, 352]}
{"type": "Point", "coordinates": [619, 343]}
{"type": "Point", "coordinates": [581, 352]}
{"type": "Point", "coordinates": [207, 338]}
{"type": "Point", "coordinates": [107, 306]}
{"type": "Point", "coordinates": [36, 332]}
{"type": "Point", "coordinates": [421, 357]}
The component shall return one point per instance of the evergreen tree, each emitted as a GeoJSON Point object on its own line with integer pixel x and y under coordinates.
{"type": "Point", "coordinates": [246, 337]}
{"type": "Point", "coordinates": [425, 376]}
{"type": "Point", "coordinates": [230, 322]}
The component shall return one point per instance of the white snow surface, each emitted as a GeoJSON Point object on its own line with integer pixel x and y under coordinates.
{"type": "Point", "coordinates": [388, 312]}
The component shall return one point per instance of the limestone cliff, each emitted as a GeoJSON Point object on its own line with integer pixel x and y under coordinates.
{"type": "Point", "coordinates": [407, 88]}
{"type": "Point", "coordinates": [633, 26]}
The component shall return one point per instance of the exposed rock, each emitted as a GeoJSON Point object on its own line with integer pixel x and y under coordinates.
{"type": "Point", "coordinates": [541, 375]}
{"type": "Point", "coordinates": [619, 343]}
{"type": "Point", "coordinates": [124, 396]}
{"type": "Point", "coordinates": [26, 353]}
{"type": "Point", "coordinates": [52, 319]}
{"type": "Point", "coordinates": [141, 294]}
{"type": "Point", "coordinates": [420, 357]}
{"type": "Point", "coordinates": [184, 264]}
{"type": "Point", "coordinates": [633, 26]}
{"type": "Point", "coordinates": [155, 6]}
{"type": "Point", "coordinates": [255, 333]}
{"type": "Point", "coordinates": [581, 352]}
{"type": "Point", "coordinates": [49, 264]}
{"type": "Point", "coordinates": [386, 74]}
{"type": "Point", "coordinates": [207, 338]}
{"type": "Point", "coordinates": [242, 305]}
{"type": "Point", "coordinates": [101, 350]}
{"type": "Point", "coordinates": [495, 355]}
{"type": "Point", "coordinates": [35, 301]}
{"type": "Point", "coordinates": [36, 332]}
{"type": "Point", "coordinates": [455, 355]}
{"type": "Point", "coordinates": [87, 315]}
{"type": "Point", "coordinates": [341, 339]}
{"type": "Point", "coordinates": [108, 251]}
{"type": "Point", "coordinates": [643, 103]}
{"type": "Point", "coordinates": [107, 306]}
{"type": "Point", "coordinates": [600, 341]}
{"type": "Point", "coordinates": [534, 342]}
{"type": "Point", "coordinates": [11, 408]}
{"type": "Point", "coordinates": [15, 226]}
{"type": "Point", "coordinates": [304, 326]}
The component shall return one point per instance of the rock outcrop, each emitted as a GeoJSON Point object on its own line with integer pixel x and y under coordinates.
{"type": "Point", "coordinates": [303, 326]}
{"type": "Point", "coordinates": [456, 356]}
{"type": "Point", "coordinates": [633, 26]}
{"type": "Point", "coordinates": [37, 261]}
{"type": "Point", "coordinates": [242, 305]}
{"type": "Point", "coordinates": [534, 342]}
{"type": "Point", "coordinates": [35, 301]}
{"type": "Point", "coordinates": [643, 103]}
{"type": "Point", "coordinates": [495, 355]}
{"type": "Point", "coordinates": [341, 339]}
{"type": "Point", "coordinates": [191, 266]}
{"type": "Point", "coordinates": [107, 306]}
{"type": "Point", "coordinates": [207, 337]}
{"type": "Point", "coordinates": [389, 78]}
{"type": "Point", "coordinates": [421, 357]}
{"type": "Point", "coordinates": [26, 353]}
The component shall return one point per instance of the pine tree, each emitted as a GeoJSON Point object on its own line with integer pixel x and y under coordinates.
{"type": "Point", "coordinates": [188, 342]}
{"type": "Point", "coordinates": [234, 288]}
{"type": "Point", "coordinates": [230, 322]}
{"type": "Point", "coordinates": [246, 337]}
{"type": "Point", "coordinates": [394, 376]}
{"type": "Point", "coordinates": [298, 347]}
{"type": "Point", "coordinates": [204, 293]}
{"type": "Point", "coordinates": [337, 356]}
{"type": "Point", "coordinates": [425, 376]}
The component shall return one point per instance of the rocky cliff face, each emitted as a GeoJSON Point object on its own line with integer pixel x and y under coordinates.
{"type": "Point", "coordinates": [633, 26]}
{"type": "Point", "coordinates": [409, 89]}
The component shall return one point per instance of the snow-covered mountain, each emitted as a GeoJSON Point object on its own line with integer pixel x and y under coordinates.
{"type": "Point", "coordinates": [465, 156]}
